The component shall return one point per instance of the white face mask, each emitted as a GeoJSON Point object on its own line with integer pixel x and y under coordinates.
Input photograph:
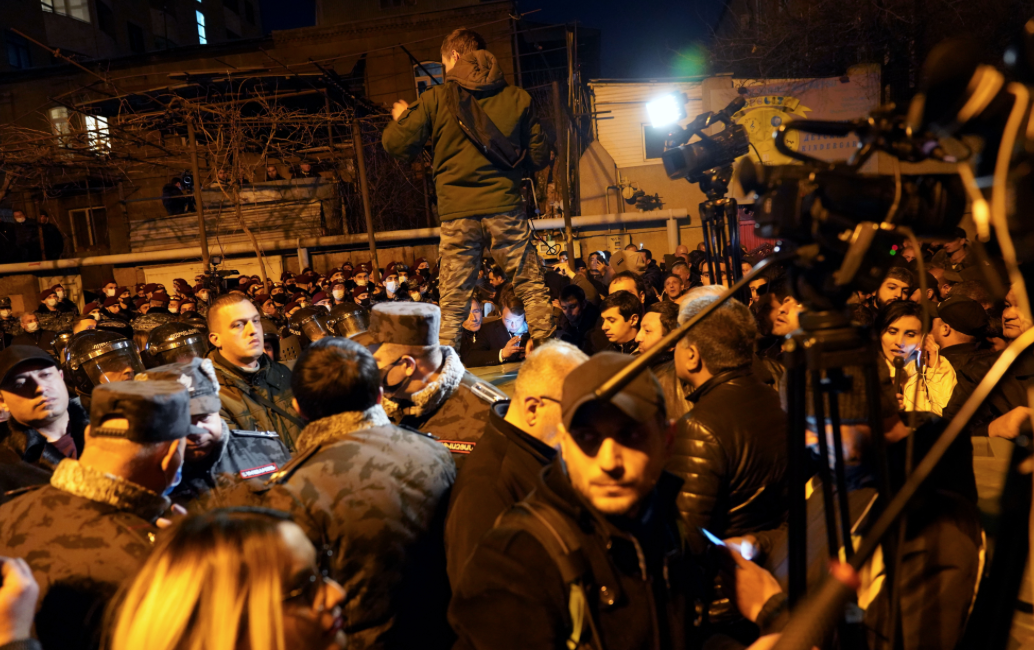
{"type": "Point", "coordinates": [390, 286]}
{"type": "Point", "coordinates": [174, 310]}
{"type": "Point", "coordinates": [22, 220]}
{"type": "Point", "coordinates": [109, 293]}
{"type": "Point", "coordinates": [5, 313]}
{"type": "Point", "coordinates": [96, 315]}
{"type": "Point", "coordinates": [338, 294]}
{"type": "Point", "coordinates": [361, 283]}
{"type": "Point", "coordinates": [203, 296]}
{"type": "Point", "coordinates": [60, 294]}
{"type": "Point", "coordinates": [32, 327]}
{"type": "Point", "coordinates": [51, 301]}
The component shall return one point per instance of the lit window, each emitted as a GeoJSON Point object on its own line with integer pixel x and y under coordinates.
{"type": "Point", "coordinates": [89, 227]}
{"type": "Point", "coordinates": [78, 9]}
{"type": "Point", "coordinates": [201, 38]}
{"type": "Point", "coordinates": [425, 80]}
{"type": "Point", "coordinates": [60, 125]}
{"type": "Point", "coordinates": [97, 133]}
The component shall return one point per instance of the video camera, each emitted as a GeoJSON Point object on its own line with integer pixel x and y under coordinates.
{"type": "Point", "coordinates": [214, 279]}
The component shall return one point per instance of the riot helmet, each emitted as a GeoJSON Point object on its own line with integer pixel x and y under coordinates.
{"type": "Point", "coordinates": [349, 319]}
{"type": "Point", "coordinates": [271, 337]}
{"type": "Point", "coordinates": [311, 324]}
{"type": "Point", "coordinates": [61, 340]}
{"type": "Point", "coordinates": [174, 342]}
{"type": "Point", "coordinates": [116, 326]}
{"type": "Point", "coordinates": [99, 357]}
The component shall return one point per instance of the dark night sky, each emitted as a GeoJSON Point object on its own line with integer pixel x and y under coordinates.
{"type": "Point", "coordinates": [642, 38]}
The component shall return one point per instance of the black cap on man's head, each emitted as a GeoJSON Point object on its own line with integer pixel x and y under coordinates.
{"type": "Point", "coordinates": [18, 355]}
{"type": "Point", "coordinates": [964, 315]}
{"type": "Point", "coordinates": [405, 323]}
{"type": "Point", "coordinates": [157, 411]}
{"type": "Point", "coordinates": [640, 400]}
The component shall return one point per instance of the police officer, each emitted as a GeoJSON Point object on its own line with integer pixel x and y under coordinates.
{"type": "Point", "coordinates": [91, 527]}
{"type": "Point", "coordinates": [174, 342]}
{"type": "Point", "coordinates": [311, 324]}
{"type": "Point", "coordinates": [96, 357]}
{"type": "Point", "coordinates": [217, 449]}
{"type": "Point", "coordinates": [425, 384]}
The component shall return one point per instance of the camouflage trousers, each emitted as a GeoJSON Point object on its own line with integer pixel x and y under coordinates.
{"type": "Point", "coordinates": [506, 238]}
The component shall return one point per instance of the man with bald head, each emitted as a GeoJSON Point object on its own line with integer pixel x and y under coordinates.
{"type": "Point", "coordinates": [256, 391]}
{"type": "Point", "coordinates": [517, 443]}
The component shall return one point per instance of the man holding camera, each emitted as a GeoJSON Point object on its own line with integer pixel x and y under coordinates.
{"type": "Point", "coordinates": [479, 197]}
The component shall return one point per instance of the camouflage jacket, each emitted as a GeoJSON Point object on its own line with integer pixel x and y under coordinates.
{"type": "Point", "coordinates": [374, 495]}
{"type": "Point", "coordinates": [454, 408]}
{"type": "Point", "coordinates": [83, 535]}
{"type": "Point", "coordinates": [26, 458]}
{"type": "Point", "coordinates": [258, 401]}
{"type": "Point", "coordinates": [240, 454]}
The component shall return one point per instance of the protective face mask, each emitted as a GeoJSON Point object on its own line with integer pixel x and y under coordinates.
{"type": "Point", "coordinates": [32, 327]}
{"type": "Point", "coordinates": [22, 220]}
{"type": "Point", "coordinates": [280, 299]}
{"type": "Point", "coordinates": [109, 293]}
{"type": "Point", "coordinates": [403, 279]}
{"type": "Point", "coordinates": [362, 283]}
{"type": "Point", "coordinates": [51, 302]}
{"type": "Point", "coordinates": [174, 310]}
{"type": "Point", "coordinates": [365, 302]}
{"type": "Point", "coordinates": [60, 294]}
{"type": "Point", "coordinates": [338, 295]}
{"type": "Point", "coordinates": [390, 286]}
{"type": "Point", "coordinates": [175, 482]}
{"type": "Point", "coordinates": [5, 313]}
{"type": "Point", "coordinates": [203, 296]}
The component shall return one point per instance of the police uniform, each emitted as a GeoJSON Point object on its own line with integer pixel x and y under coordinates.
{"type": "Point", "coordinates": [88, 531]}
{"type": "Point", "coordinates": [455, 407]}
{"type": "Point", "coordinates": [242, 454]}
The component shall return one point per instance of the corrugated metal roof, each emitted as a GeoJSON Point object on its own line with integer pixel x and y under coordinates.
{"type": "Point", "coordinates": [622, 136]}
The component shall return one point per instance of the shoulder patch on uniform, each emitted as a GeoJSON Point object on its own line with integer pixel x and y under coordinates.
{"type": "Point", "coordinates": [290, 468]}
{"type": "Point", "coordinates": [261, 470]}
{"type": "Point", "coordinates": [246, 433]}
{"type": "Point", "coordinates": [484, 390]}
{"type": "Point", "coordinates": [459, 446]}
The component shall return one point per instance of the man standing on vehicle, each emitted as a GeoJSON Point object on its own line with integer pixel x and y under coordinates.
{"type": "Point", "coordinates": [485, 139]}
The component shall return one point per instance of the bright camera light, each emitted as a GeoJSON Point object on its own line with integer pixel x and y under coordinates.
{"type": "Point", "coordinates": [665, 110]}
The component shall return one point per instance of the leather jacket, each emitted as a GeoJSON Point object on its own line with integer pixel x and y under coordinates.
{"type": "Point", "coordinates": [730, 452]}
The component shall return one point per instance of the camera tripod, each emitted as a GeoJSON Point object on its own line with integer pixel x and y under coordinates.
{"type": "Point", "coordinates": [719, 220]}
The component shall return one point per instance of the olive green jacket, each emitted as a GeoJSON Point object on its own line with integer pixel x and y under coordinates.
{"type": "Point", "coordinates": [259, 401]}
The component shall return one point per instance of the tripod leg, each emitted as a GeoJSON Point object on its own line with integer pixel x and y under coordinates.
{"type": "Point", "coordinates": [829, 505]}
{"type": "Point", "coordinates": [838, 469]}
{"type": "Point", "coordinates": [797, 537]}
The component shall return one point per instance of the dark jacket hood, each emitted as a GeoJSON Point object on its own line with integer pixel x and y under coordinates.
{"type": "Point", "coordinates": [478, 71]}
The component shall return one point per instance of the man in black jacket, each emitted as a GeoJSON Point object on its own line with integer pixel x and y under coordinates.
{"type": "Point", "coordinates": [731, 448]}
{"type": "Point", "coordinates": [658, 321]}
{"type": "Point", "coordinates": [579, 318]}
{"type": "Point", "coordinates": [608, 502]}
{"type": "Point", "coordinates": [43, 425]}
{"type": "Point", "coordinates": [517, 444]}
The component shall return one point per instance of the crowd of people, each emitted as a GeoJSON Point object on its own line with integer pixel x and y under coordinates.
{"type": "Point", "coordinates": [370, 487]}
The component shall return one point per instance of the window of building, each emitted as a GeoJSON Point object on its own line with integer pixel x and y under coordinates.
{"type": "Point", "coordinates": [423, 79]}
{"type": "Point", "coordinates": [60, 125]}
{"type": "Point", "coordinates": [106, 19]}
{"type": "Point", "coordinates": [97, 133]}
{"type": "Point", "coordinates": [18, 51]}
{"type": "Point", "coordinates": [653, 141]}
{"type": "Point", "coordinates": [249, 12]}
{"type": "Point", "coordinates": [78, 9]}
{"type": "Point", "coordinates": [232, 5]}
{"type": "Point", "coordinates": [201, 38]}
{"type": "Point", "coordinates": [137, 44]}
{"type": "Point", "coordinates": [89, 227]}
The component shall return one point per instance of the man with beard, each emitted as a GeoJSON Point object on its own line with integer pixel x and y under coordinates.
{"type": "Point", "coordinates": [658, 321]}
{"type": "Point", "coordinates": [216, 448]}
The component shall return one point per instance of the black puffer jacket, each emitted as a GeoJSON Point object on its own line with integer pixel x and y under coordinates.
{"type": "Point", "coordinates": [730, 451]}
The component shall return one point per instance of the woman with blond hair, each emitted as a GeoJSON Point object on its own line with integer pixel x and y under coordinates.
{"type": "Point", "coordinates": [230, 579]}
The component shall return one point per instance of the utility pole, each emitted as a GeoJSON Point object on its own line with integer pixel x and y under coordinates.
{"type": "Point", "coordinates": [562, 170]}
{"type": "Point", "coordinates": [199, 205]}
{"type": "Point", "coordinates": [364, 186]}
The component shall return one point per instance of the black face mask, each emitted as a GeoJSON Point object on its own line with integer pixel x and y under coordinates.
{"type": "Point", "coordinates": [391, 390]}
{"type": "Point", "coordinates": [365, 302]}
{"type": "Point", "coordinates": [426, 273]}
{"type": "Point", "coordinates": [280, 299]}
